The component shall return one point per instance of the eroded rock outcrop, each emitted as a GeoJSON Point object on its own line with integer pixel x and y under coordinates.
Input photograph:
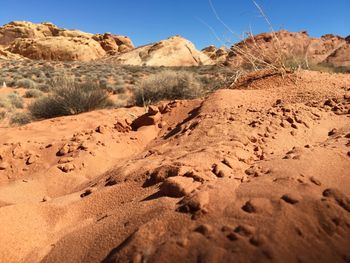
{"type": "Point", "coordinates": [174, 51]}
{"type": "Point", "coordinates": [114, 44]}
{"type": "Point", "coordinates": [49, 42]}
{"type": "Point", "coordinates": [216, 54]}
{"type": "Point", "coordinates": [58, 48]}
{"type": "Point", "coordinates": [292, 47]}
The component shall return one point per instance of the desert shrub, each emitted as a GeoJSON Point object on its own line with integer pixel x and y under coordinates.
{"type": "Point", "coordinates": [33, 93]}
{"type": "Point", "coordinates": [20, 118]}
{"type": "Point", "coordinates": [168, 85]}
{"type": "Point", "coordinates": [15, 100]}
{"type": "Point", "coordinates": [115, 89]}
{"type": "Point", "coordinates": [2, 115]}
{"type": "Point", "coordinates": [26, 83]}
{"type": "Point", "coordinates": [324, 67]}
{"type": "Point", "coordinates": [41, 80]}
{"type": "Point", "coordinates": [69, 97]}
{"type": "Point", "coordinates": [5, 103]}
{"type": "Point", "coordinates": [44, 87]}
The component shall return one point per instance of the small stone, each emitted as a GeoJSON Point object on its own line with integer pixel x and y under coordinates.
{"type": "Point", "coordinates": [86, 193]}
{"type": "Point", "coordinates": [31, 160]}
{"type": "Point", "coordinates": [84, 146]}
{"type": "Point", "coordinates": [146, 120]}
{"type": "Point", "coordinates": [204, 229]}
{"type": "Point", "coordinates": [342, 199]}
{"type": "Point", "coordinates": [290, 198]}
{"type": "Point", "coordinates": [245, 230]}
{"type": "Point", "coordinates": [220, 170]}
{"type": "Point", "coordinates": [290, 120]}
{"type": "Point", "coordinates": [66, 167]}
{"type": "Point", "coordinates": [73, 146]}
{"type": "Point", "coordinates": [315, 181]}
{"type": "Point", "coordinates": [197, 202]}
{"type": "Point", "coordinates": [163, 172]}
{"type": "Point", "coordinates": [257, 240]}
{"type": "Point", "coordinates": [152, 110]}
{"type": "Point", "coordinates": [232, 236]}
{"type": "Point", "coordinates": [252, 171]}
{"type": "Point", "coordinates": [4, 165]}
{"type": "Point", "coordinates": [66, 160]}
{"type": "Point", "coordinates": [183, 242]}
{"type": "Point", "coordinates": [294, 126]}
{"type": "Point", "coordinates": [46, 198]}
{"type": "Point", "coordinates": [162, 124]}
{"type": "Point", "coordinates": [248, 207]}
{"type": "Point", "coordinates": [278, 101]}
{"type": "Point", "coordinates": [64, 150]}
{"type": "Point", "coordinates": [101, 129]}
{"type": "Point", "coordinates": [329, 102]}
{"type": "Point", "coordinates": [298, 120]}
{"type": "Point", "coordinates": [332, 132]}
{"type": "Point", "coordinates": [178, 186]}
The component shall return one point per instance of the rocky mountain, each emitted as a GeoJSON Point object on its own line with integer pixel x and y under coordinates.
{"type": "Point", "coordinates": [174, 51]}
{"type": "Point", "coordinates": [49, 42]}
{"type": "Point", "coordinates": [293, 47]}
{"type": "Point", "coordinates": [216, 54]}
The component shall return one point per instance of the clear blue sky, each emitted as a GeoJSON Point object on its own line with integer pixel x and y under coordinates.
{"type": "Point", "coordinates": [148, 21]}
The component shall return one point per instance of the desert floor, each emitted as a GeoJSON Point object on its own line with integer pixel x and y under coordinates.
{"type": "Point", "coordinates": [255, 174]}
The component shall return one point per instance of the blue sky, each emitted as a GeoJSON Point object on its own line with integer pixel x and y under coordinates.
{"type": "Point", "coordinates": [146, 21]}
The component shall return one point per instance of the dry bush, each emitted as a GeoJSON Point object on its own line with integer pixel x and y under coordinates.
{"type": "Point", "coordinates": [69, 97]}
{"type": "Point", "coordinates": [33, 93]}
{"type": "Point", "coordinates": [168, 85]}
{"type": "Point", "coordinates": [20, 118]}
{"type": "Point", "coordinates": [11, 101]}
{"type": "Point", "coordinates": [26, 83]}
{"type": "Point", "coordinates": [253, 55]}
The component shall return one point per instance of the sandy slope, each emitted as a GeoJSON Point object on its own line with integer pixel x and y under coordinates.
{"type": "Point", "coordinates": [257, 174]}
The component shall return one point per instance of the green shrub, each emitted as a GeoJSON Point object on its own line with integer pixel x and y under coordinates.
{"type": "Point", "coordinates": [168, 85]}
{"type": "Point", "coordinates": [20, 118]}
{"type": "Point", "coordinates": [69, 97]}
{"type": "Point", "coordinates": [26, 83]}
{"type": "Point", "coordinates": [33, 93]}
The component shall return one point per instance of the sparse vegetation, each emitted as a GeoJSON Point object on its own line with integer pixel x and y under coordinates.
{"type": "Point", "coordinates": [168, 85]}
{"type": "Point", "coordinates": [33, 93]}
{"type": "Point", "coordinates": [26, 83]}
{"type": "Point", "coordinates": [16, 100]}
{"type": "Point", "coordinates": [2, 115]}
{"type": "Point", "coordinates": [20, 118]}
{"type": "Point", "coordinates": [10, 101]}
{"type": "Point", "coordinates": [69, 97]}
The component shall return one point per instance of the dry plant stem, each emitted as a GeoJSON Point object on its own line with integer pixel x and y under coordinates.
{"type": "Point", "coordinates": [255, 60]}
